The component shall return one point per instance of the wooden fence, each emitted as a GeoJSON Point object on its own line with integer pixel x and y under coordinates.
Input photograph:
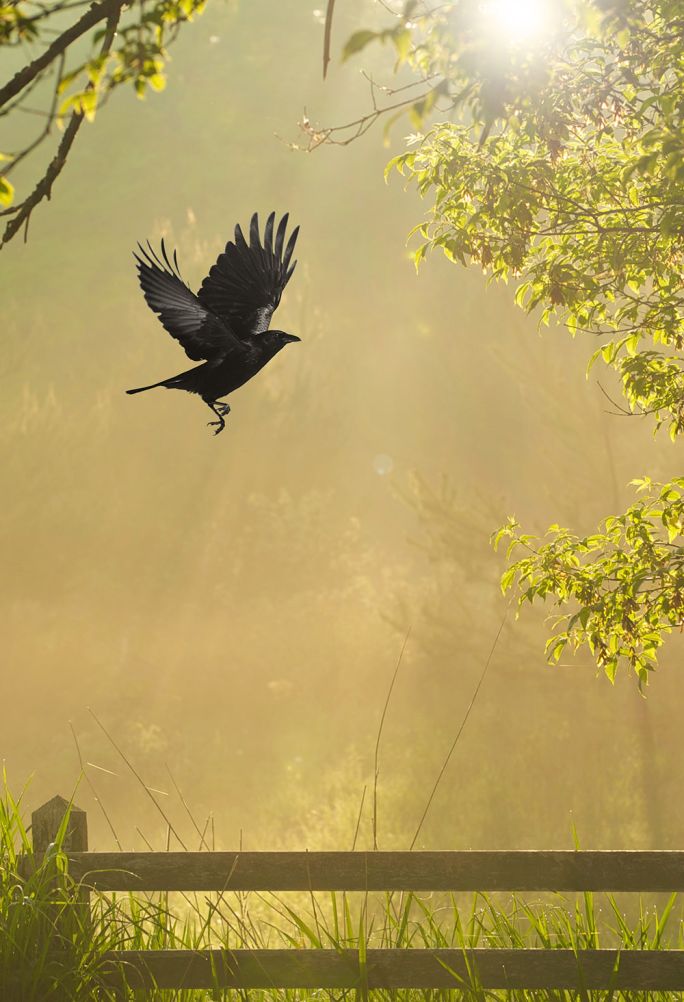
{"type": "Point", "coordinates": [519, 870]}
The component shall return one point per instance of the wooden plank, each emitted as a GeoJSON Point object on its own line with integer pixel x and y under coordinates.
{"type": "Point", "coordinates": [518, 870]}
{"type": "Point", "coordinates": [591, 969]}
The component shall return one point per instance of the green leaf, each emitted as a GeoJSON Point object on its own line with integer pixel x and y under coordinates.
{"type": "Point", "coordinates": [157, 81]}
{"type": "Point", "coordinates": [69, 78]}
{"type": "Point", "coordinates": [357, 42]}
{"type": "Point", "coordinates": [402, 39]}
{"type": "Point", "coordinates": [6, 192]}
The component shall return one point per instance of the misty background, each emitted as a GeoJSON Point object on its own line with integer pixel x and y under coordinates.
{"type": "Point", "coordinates": [232, 609]}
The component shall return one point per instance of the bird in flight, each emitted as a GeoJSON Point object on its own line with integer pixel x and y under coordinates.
{"type": "Point", "coordinates": [227, 322]}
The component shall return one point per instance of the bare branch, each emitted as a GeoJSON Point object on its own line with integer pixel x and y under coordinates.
{"type": "Point", "coordinates": [18, 101]}
{"type": "Point", "coordinates": [620, 410]}
{"type": "Point", "coordinates": [44, 187]}
{"type": "Point", "coordinates": [48, 124]}
{"type": "Point", "coordinates": [356, 128]}
{"type": "Point", "coordinates": [327, 35]}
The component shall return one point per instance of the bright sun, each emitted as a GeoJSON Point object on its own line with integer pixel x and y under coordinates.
{"type": "Point", "coordinates": [517, 20]}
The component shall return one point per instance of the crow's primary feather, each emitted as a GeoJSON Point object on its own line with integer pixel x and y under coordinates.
{"type": "Point", "coordinates": [244, 287]}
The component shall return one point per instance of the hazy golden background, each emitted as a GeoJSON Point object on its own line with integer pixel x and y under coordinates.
{"type": "Point", "coordinates": [233, 607]}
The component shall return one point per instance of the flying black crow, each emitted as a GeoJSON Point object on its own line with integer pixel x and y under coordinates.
{"type": "Point", "coordinates": [227, 322]}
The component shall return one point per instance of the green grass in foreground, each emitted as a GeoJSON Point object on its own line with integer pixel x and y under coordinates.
{"type": "Point", "coordinates": [51, 947]}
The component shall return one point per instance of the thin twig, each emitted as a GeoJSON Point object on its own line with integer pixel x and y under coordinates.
{"type": "Point", "coordinates": [48, 124]}
{"type": "Point", "coordinates": [17, 103]}
{"type": "Point", "coordinates": [621, 411]}
{"type": "Point", "coordinates": [44, 187]}
{"type": "Point", "coordinates": [317, 137]}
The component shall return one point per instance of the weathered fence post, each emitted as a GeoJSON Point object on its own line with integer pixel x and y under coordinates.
{"type": "Point", "coordinates": [45, 824]}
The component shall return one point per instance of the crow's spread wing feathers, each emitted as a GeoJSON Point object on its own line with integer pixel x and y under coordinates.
{"type": "Point", "coordinates": [244, 287]}
{"type": "Point", "coordinates": [200, 332]}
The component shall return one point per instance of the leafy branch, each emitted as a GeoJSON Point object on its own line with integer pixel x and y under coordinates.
{"type": "Point", "coordinates": [98, 12]}
{"type": "Point", "coordinates": [626, 581]}
{"type": "Point", "coordinates": [127, 44]}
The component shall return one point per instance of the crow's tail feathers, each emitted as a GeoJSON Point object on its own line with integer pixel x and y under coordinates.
{"type": "Point", "coordinates": [141, 389]}
{"type": "Point", "coordinates": [179, 382]}
{"type": "Point", "coordinates": [168, 383]}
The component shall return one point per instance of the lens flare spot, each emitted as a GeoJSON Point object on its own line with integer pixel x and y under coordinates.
{"type": "Point", "coordinates": [383, 464]}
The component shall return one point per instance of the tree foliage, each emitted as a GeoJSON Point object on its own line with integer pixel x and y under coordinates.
{"type": "Point", "coordinates": [72, 55]}
{"type": "Point", "coordinates": [627, 579]}
{"type": "Point", "coordinates": [558, 166]}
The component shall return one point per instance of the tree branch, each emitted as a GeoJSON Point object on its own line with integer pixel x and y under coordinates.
{"type": "Point", "coordinates": [24, 76]}
{"type": "Point", "coordinates": [44, 187]}
{"type": "Point", "coordinates": [48, 124]}
{"type": "Point", "coordinates": [327, 35]}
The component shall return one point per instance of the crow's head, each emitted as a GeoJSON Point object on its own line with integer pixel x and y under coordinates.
{"type": "Point", "coordinates": [280, 338]}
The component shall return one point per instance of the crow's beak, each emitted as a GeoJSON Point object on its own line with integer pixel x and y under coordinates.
{"type": "Point", "coordinates": [290, 337]}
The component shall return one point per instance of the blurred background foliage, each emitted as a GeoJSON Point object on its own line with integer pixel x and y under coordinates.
{"type": "Point", "coordinates": [232, 609]}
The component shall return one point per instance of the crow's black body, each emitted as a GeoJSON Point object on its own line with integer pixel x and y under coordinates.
{"type": "Point", "coordinates": [227, 322]}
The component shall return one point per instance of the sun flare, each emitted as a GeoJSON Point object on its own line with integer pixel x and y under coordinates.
{"type": "Point", "coordinates": [523, 21]}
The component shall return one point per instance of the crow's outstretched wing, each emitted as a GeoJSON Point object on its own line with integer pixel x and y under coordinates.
{"type": "Point", "coordinates": [200, 332]}
{"type": "Point", "coordinates": [244, 287]}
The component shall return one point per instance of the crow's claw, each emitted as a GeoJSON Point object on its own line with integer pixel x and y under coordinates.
{"type": "Point", "coordinates": [220, 410]}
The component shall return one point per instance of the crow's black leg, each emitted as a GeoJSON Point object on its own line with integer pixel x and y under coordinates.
{"type": "Point", "coordinates": [220, 410]}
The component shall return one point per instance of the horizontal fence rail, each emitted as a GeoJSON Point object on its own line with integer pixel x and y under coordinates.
{"type": "Point", "coordinates": [470, 870]}
{"type": "Point", "coordinates": [490, 968]}
{"type": "Point", "coordinates": [473, 870]}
